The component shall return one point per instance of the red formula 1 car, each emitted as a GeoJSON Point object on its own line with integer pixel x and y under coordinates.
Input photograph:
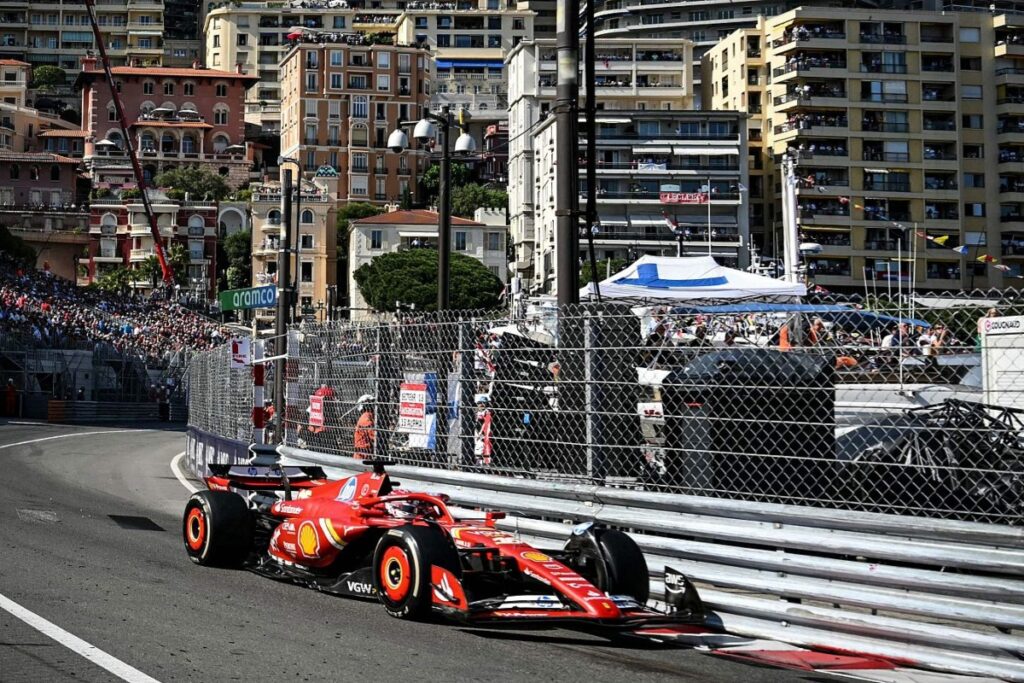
{"type": "Point", "coordinates": [362, 537]}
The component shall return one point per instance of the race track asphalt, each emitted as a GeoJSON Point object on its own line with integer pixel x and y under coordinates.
{"type": "Point", "coordinates": [124, 585]}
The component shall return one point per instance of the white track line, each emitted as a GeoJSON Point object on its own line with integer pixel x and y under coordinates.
{"type": "Point", "coordinates": [51, 630]}
{"type": "Point", "coordinates": [68, 436]}
{"type": "Point", "coordinates": [76, 644]}
{"type": "Point", "coordinates": [175, 462]}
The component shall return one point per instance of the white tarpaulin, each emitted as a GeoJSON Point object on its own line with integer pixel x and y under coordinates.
{"type": "Point", "coordinates": [687, 278]}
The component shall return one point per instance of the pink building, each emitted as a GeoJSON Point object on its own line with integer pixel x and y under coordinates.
{"type": "Point", "coordinates": [177, 117]}
{"type": "Point", "coordinates": [31, 180]}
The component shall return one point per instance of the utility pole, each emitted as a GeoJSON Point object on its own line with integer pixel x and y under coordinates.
{"type": "Point", "coordinates": [790, 219]}
{"type": "Point", "coordinates": [284, 296]}
{"type": "Point", "coordinates": [444, 217]}
{"type": "Point", "coordinates": [567, 240]}
{"type": "Point", "coordinates": [589, 58]}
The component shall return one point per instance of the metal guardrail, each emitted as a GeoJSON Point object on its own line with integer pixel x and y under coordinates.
{"type": "Point", "coordinates": [939, 594]}
{"type": "Point", "coordinates": [101, 411]}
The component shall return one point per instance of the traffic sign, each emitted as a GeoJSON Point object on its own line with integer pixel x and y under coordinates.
{"type": "Point", "coordinates": [252, 297]}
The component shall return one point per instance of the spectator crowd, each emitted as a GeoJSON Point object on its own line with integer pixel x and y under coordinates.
{"type": "Point", "coordinates": [51, 312]}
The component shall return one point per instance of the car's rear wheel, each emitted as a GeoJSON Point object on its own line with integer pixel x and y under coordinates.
{"type": "Point", "coordinates": [402, 566]}
{"type": "Point", "coordinates": [217, 529]}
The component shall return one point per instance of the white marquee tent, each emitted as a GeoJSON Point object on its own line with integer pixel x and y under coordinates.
{"type": "Point", "coordinates": [687, 278]}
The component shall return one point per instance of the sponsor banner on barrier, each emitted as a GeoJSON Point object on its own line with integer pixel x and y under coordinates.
{"type": "Point", "coordinates": [203, 449]}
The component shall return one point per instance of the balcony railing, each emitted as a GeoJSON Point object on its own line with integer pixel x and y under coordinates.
{"type": "Point", "coordinates": [883, 38]}
{"type": "Point", "coordinates": [887, 97]}
{"type": "Point", "coordinates": [886, 186]}
{"type": "Point", "coordinates": [871, 155]}
{"type": "Point", "coordinates": [805, 64]}
{"type": "Point", "coordinates": [873, 68]}
{"type": "Point", "coordinates": [939, 125]}
{"type": "Point", "coordinates": [885, 126]}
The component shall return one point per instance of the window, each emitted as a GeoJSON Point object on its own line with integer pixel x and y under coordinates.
{"type": "Point", "coordinates": [337, 81]}
{"type": "Point", "coordinates": [973, 120]}
{"type": "Point", "coordinates": [974, 209]}
{"type": "Point", "coordinates": [383, 82]}
{"type": "Point", "coordinates": [216, 41]}
{"type": "Point", "coordinates": [307, 217]}
{"type": "Point", "coordinates": [494, 241]}
{"type": "Point", "coordinates": [381, 189]}
{"type": "Point", "coordinates": [360, 106]}
{"type": "Point", "coordinates": [460, 240]}
{"type": "Point", "coordinates": [381, 110]}
{"type": "Point", "coordinates": [168, 88]}
{"type": "Point", "coordinates": [311, 81]}
{"type": "Point", "coordinates": [974, 151]}
{"type": "Point", "coordinates": [339, 22]}
{"type": "Point", "coordinates": [444, 40]}
{"type": "Point", "coordinates": [305, 241]}
{"type": "Point", "coordinates": [970, 35]}
{"type": "Point", "coordinates": [222, 90]}
{"type": "Point", "coordinates": [310, 137]}
{"type": "Point", "coordinates": [383, 60]}
{"type": "Point", "coordinates": [337, 58]}
{"type": "Point", "coordinates": [111, 113]}
{"type": "Point", "coordinates": [974, 180]}
{"type": "Point", "coordinates": [55, 173]}
{"type": "Point", "coordinates": [148, 88]}
{"type": "Point", "coordinates": [243, 39]}
{"type": "Point", "coordinates": [15, 172]}
{"type": "Point", "coordinates": [220, 116]}
{"type": "Point", "coordinates": [359, 162]}
{"type": "Point", "coordinates": [970, 92]}
{"type": "Point", "coordinates": [307, 271]}
{"type": "Point", "coordinates": [358, 81]}
{"type": "Point", "coordinates": [359, 185]}
{"type": "Point", "coordinates": [334, 109]}
{"type": "Point", "coordinates": [970, 63]}
{"type": "Point", "coordinates": [190, 88]}
{"type": "Point", "coordinates": [376, 239]}
{"type": "Point", "coordinates": [518, 24]}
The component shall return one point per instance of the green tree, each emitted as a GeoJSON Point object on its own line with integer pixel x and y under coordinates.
{"type": "Point", "coordinates": [48, 78]}
{"type": "Point", "coordinates": [586, 276]}
{"type": "Point", "coordinates": [411, 277]}
{"type": "Point", "coordinates": [238, 248]}
{"type": "Point", "coordinates": [431, 180]}
{"type": "Point", "coordinates": [348, 213]}
{"type": "Point", "coordinates": [116, 281]}
{"type": "Point", "coordinates": [198, 182]}
{"type": "Point", "coordinates": [178, 258]}
{"type": "Point", "coordinates": [466, 199]}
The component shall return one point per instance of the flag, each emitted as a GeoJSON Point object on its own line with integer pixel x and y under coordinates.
{"type": "Point", "coordinates": [504, 291]}
{"type": "Point", "coordinates": [987, 258]}
{"type": "Point", "coordinates": [670, 221]}
{"type": "Point", "coordinates": [941, 239]}
{"type": "Point", "coordinates": [961, 250]}
{"type": "Point", "coordinates": [844, 200]}
{"type": "Point", "coordinates": [1000, 266]}
{"type": "Point", "coordinates": [294, 35]}
{"type": "Point", "coordinates": [922, 233]}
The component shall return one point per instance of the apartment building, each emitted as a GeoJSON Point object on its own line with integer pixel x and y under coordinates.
{"type": "Point", "coordinates": [342, 101]}
{"type": "Point", "coordinates": [642, 88]}
{"type": "Point", "coordinates": [898, 119]}
{"type": "Point", "coordinates": [120, 236]}
{"type": "Point", "coordinates": [394, 231]}
{"type": "Point", "coordinates": [20, 124]}
{"type": "Point", "coordinates": [315, 266]}
{"type": "Point", "coordinates": [58, 32]}
{"type": "Point", "coordinates": [178, 117]}
{"type": "Point", "coordinates": [255, 35]}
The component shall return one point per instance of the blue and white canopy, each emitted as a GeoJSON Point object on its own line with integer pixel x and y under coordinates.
{"type": "Point", "coordinates": [688, 278]}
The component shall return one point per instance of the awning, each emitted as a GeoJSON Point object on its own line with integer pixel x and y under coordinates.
{"type": "Point", "coordinates": [707, 151]}
{"type": "Point", "coordinates": [145, 32]}
{"type": "Point", "coordinates": [429, 231]}
{"type": "Point", "coordinates": [652, 150]}
{"type": "Point", "coordinates": [451, 63]}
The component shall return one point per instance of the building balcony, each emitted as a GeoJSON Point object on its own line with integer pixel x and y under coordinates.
{"type": "Point", "coordinates": [140, 254]}
{"type": "Point", "coordinates": [883, 38]}
{"type": "Point", "coordinates": [107, 258]}
{"type": "Point", "coordinates": [1009, 49]}
{"type": "Point", "coordinates": [821, 125]}
{"type": "Point", "coordinates": [823, 68]}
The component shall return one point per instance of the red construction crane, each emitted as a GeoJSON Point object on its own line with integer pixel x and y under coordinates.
{"type": "Point", "coordinates": [158, 245]}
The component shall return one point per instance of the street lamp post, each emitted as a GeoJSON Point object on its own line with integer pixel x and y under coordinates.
{"type": "Point", "coordinates": [281, 161]}
{"type": "Point", "coordinates": [424, 131]}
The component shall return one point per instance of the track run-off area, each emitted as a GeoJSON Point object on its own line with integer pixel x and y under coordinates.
{"type": "Point", "coordinates": [95, 586]}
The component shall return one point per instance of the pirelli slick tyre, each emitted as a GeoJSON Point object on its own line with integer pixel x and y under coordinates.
{"type": "Point", "coordinates": [612, 561]}
{"type": "Point", "coordinates": [402, 565]}
{"type": "Point", "coordinates": [217, 529]}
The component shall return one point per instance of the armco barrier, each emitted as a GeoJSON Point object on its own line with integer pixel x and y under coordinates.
{"type": "Point", "coordinates": [944, 595]}
{"type": "Point", "coordinates": [100, 411]}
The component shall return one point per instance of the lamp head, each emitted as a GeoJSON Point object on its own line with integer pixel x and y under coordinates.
{"type": "Point", "coordinates": [465, 144]}
{"type": "Point", "coordinates": [398, 141]}
{"type": "Point", "coordinates": [424, 131]}
{"type": "Point", "coordinates": [810, 248]}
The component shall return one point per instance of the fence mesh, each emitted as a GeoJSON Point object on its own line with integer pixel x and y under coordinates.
{"type": "Point", "coordinates": [883, 407]}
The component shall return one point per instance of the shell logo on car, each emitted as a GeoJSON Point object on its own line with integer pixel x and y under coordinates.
{"type": "Point", "coordinates": [309, 539]}
{"type": "Point", "coordinates": [534, 556]}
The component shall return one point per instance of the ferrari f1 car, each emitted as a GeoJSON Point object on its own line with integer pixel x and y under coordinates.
{"type": "Point", "coordinates": [363, 537]}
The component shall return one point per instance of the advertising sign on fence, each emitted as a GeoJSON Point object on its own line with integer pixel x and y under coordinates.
{"type": "Point", "coordinates": [250, 297]}
{"type": "Point", "coordinates": [684, 197]}
{"type": "Point", "coordinates": [316, 411]}
{"type": "Point", "coordinates": [239, 353]}
{"type": "Point", "coordinates": [412, 408]}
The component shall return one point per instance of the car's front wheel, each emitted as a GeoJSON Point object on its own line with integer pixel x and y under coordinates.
{"type": "Point", "coordinates": [402, 565]}
{"type": "Point", "coordinates": [217, 529]}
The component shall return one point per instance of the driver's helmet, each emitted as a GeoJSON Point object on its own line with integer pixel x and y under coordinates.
{"type": "Point", "coordinates": [406, 509]}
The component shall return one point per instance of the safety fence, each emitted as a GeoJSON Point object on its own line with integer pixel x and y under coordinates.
{"type": "Point", "coordinates": [835, 475]}
{"type": "Point", "coordinates": [824, 406]}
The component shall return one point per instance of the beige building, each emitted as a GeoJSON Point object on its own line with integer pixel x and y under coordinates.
{"type": "Point", "coordinates": [21, 125]}
{"type": "Point", "coordinates": [474, 36]}
{"type": "Point", "coordinates": [341, 102]}
{"type": "Point", "coordinates": [394, 231]}
{"type": "Point", "coordinates": [314, 267]}
{"type": "Point", "coordinates": [58, 32]}
{"type": "Point", "coordinates": [907, 119]}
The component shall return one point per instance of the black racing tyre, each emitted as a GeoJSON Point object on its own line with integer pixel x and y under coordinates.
{"type": "Point", "coordinates": [401, 568]}
{"type": "Point", "coordinates": [217, 529]}
{"type": "Point", "coordinates": [613, 562]}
